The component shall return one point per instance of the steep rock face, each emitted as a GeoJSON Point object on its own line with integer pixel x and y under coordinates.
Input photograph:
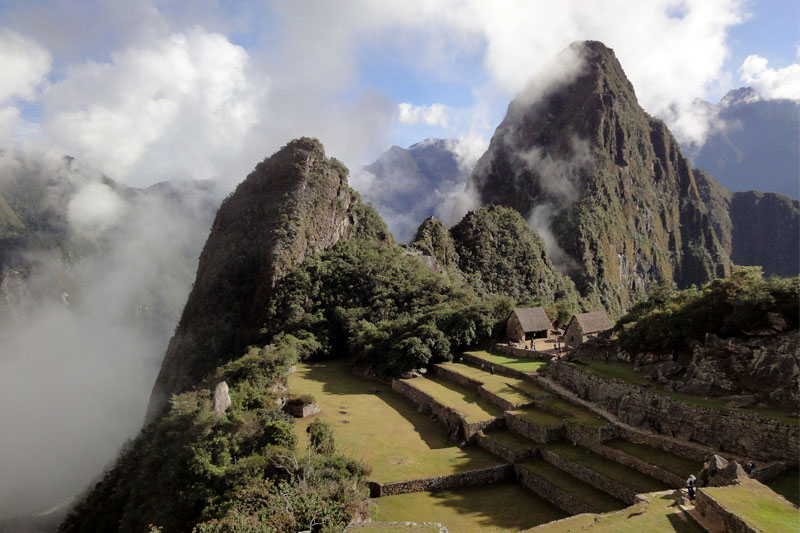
{"type": "Point", "coordinates": [766, 232]}
{"type": "Point", "coordinates": [294, 204]}
{"type": "Point", "coordinates": [754, 228]}
{"type": "Point", "coordinates": [500, 254]}
{"type": "Point", "coordinates": [585, 163]}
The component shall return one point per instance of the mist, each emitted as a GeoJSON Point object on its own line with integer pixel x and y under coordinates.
{"type": "Point", "coordinates": [84, 324]}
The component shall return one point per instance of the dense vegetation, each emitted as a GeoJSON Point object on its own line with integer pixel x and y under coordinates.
{"type": "Point", "coordinates": [670, 319]}
{"type": "Point", "coordinates": [366, 299]}
{"type": "Point", "coordinates": [236, 471]}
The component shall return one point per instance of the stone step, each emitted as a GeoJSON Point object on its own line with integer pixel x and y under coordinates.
{"type": "Point", "coordinates": [535, 424]}
{"type": "Point", "coordinates": [564, 490]}
{"type": "Point", "coordinates": [506, 444]}
{"type": "Point", "coordinates": [616, 479]}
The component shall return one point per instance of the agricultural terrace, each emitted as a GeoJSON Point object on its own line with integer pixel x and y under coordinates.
{"type": "Point", "coordinates": [758, 506]}
{"type": "Point", "coordinates": [377, 426]}
{"type": "Point", "coordinates": [523, 364]}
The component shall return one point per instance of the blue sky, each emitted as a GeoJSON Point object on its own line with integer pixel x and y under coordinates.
{"type": "Point", "coordinates": [154, 89]}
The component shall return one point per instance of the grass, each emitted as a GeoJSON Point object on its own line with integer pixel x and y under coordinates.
{"type": "Point", "coordinates": [497, 507]}
{"type": "Point", "coordinates": [574, 413]}
{"type": "Point", "coordinates": [540, 418]}
{"type": "Point", "coordinates": [622, 474]}
{"type": "Point", "coordinates": [668, 461]}
{"type": "Point", "coordinates": [379, 427]}
{"type": "Point", "coordinates": [787, 484]}
{"type": "Point", "coordinates": [510, 440]}
{"type": "Point", "coordinates": [469, 404]}
{"type": "Point", "coordinates": [656, 515]}
{"type": "Point", "coordinates": [514, 390]}
{"type": "Point", "coordinates": [522, 364]}
{"type": "Point", "coordinates": [394, 528]}
{"type": "Point", "coordinates": [583, 491]}
{"type": "Point", "coordinates": [624, 372]}
{"type": "Point", "coordinates": [758, 506]}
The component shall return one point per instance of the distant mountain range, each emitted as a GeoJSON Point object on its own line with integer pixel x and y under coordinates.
{"type": "Point", "coordinates": [753, 144]}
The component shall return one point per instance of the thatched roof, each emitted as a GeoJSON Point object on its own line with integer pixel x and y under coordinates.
{"type": "Point", "coordinates": [532, 319]}
{"type": "Point", "coordinates": [593, 322]}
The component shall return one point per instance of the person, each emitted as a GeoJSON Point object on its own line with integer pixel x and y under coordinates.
{"type": "Point", "coordinates": [491, 369]}
{"type": "Point", "coordinates": [690, 484]}
{"type": "Point", "coordinates": [607, 356]}
{"type": "Point", "coordinates": [751, 468]}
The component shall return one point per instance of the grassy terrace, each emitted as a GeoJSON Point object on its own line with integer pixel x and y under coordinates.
{"type": "Point", "coordinates": [574, 413]}
{"type": "Point", "coordinates": [539, 417]}
{"type": "Point", "coordinates": [621, 474]}
{"type": "Point", "coordinates": [668, 461]}
{"type": "Point", "coordinates": [470, 405]}
{"type": "Point", "coordinates": [379, 427]}
{"type": "Point", "coordinates": [624, 371]}
{"type": "Point", "coordinates": [787, 484]}
{"type": "Point", "coordinates": [510, 440]}
{"type": "Point", "coordinates": [596, 498]}
{"type": "Point", "coordinates": [654, 516]}
{"type": "Point", "coordinates": [393, 528]}
{"type": "Point", "coordinates": [498, 507]}
{"type": "Point", "coordinates": [517, 363]}
{"type": "Point", "coordinates": [514, 390]}
{"type": "Point", "coordinates": [757, 505]}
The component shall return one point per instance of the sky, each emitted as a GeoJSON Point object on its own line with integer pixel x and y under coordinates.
{"type": "Point", "coordinates": [150, 90]}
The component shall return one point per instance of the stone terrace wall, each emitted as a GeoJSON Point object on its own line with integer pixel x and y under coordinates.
{"type": "Point", "coordinates": [552, 493]}
{"type": "Point", "coordinates": [452, 419]}
{"type": "Point", "coordinates": [533, 431]}
{"type": "Point", "coordinates": [477, 387]}
{"type": "Point", "coordinates": [688, 450]}
{"type": "Point", "coordinates": [521, 352]}
{"type": "Point", "coordinates": [492, 446]}
{"type": "Point", "coordinates": [463, 479]}
{"type": "Point", "coordinates": [673, 480]}
{"type": "Point", "coordinates": [714, 513]}
{"type": "Point", "coordinates": [734, 431]}
{"type": "Point", "coordinates": [591, 477]}
{"type": "Point", "coordinates": [499, 369]}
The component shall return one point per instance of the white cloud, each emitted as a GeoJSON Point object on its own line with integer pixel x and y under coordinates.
{"type": "Point", "coordinates": [769, 82]}
{"type": "Point", "coordinates": [24, 64]}
{"type": "Point", "coordinates": [178, 107]}
{"type": "Point", "coordinates": [431, 115]}
{"type": "Point", "coordinates": [95, 209]}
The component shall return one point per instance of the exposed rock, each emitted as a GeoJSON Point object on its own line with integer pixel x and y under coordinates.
{"type": "Point", "coordinates": [294, 204]}
{"type": "Point", "coordinates": [586, 163]}
{"type": "Point", "coordinates": [664, 370]}
{"type": "Point", "coordinates": [222, 399]}
{"type": "Point", "coordinates": [721, 473]}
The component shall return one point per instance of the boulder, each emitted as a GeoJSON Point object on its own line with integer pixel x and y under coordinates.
{"type": "Point", "coordinates": [720, 473]}
{"type": "Point", "coordinates": [222, 400]}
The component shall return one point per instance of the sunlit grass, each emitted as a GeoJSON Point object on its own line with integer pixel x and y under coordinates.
{"type": "Point", "coordinates": [758, 506]}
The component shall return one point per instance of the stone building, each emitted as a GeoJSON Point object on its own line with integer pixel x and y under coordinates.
{"type": "Point", "coordinates": [527, 323]}
{"type": "Point", "coordinates": [584, 326]}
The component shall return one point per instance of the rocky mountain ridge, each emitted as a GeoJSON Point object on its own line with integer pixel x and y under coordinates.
{"type": "Point", "coordinates": [586, 164]}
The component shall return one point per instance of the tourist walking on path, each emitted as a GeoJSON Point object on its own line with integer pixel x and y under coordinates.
{"type": "Point", "coordinates": [690, 484]}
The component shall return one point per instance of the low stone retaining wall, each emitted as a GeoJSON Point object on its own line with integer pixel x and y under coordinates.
{"type": "Point", "coordinates": [552, 493]}
{"type": "Point", "coordinates": [522, 352]}
{"type": "Point", "coordinates": [591, 477]}
{"type": "Point", "coordinates": [477, 387]}
{"type": "Point", "coordinates": [498, 369]}
{"type": "Point", "coordinates": [742, 433]}
{"type": "Point", "coordinates": [512, 456]}
{"type": "Point", "coordinates": [640, 465]}
{"type": "Point", "coordinates": [463, 479]}
{"type": "Point", "coordinates": [714, 512]}
{"type": "Point", "coordinates": [533, 431]}
{"type": "Point", "coordinates": [456, 424]}
{"type": "Point", "coordinates": [688, 450]}
{"type": "Point", "coordinates": [587, 436]}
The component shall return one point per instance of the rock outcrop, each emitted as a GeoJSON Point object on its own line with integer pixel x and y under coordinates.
{"type": "Point", "coordinates": [584, 163]}
{"type": "Point", "coordinates": [294, 204]}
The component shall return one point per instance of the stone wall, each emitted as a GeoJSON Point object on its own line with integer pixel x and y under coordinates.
{"type": "Point", "coordinates": [494, 447]}
{"type": "Point", "coordinates": [591, 477]}
{"type": "Point", "coordinates": [552, 493]}
{"type": "Point", "coordinates": [521, 352]}
{"type": "Point", "coordinates": [476, 387]}
{"type": "Point", "coordinates": [688, 450]}
{"type": "Point", "coordinates": [533, 431]}
{"type": "Point", "coordinates": [455, 422]}
{"type": "Point", "coordinates": [463, 479]}
{"type": "Point", "coordinates": [671, 479]}
{"type": "Point", "coordinates": [713, 512]}
{"type": "Point", "coordinates": [499, 369]}
{"type": "Point", "coordinates": [730, 430]}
